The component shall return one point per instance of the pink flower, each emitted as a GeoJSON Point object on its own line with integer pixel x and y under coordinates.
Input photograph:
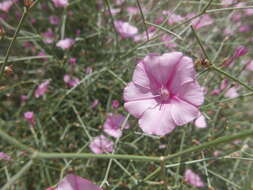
{"type": "Point", "coordinates": [65, 43]}
{"type": "Point", "coordinates": [125, 29]}
{"type": "Point", "coordinates": [54, 20]}
{"type": "Point", "coordinates": [48, 37]}
{"type": "Point", "coordinates": [115, 104]}
{"type": "Point", "coordinates": [94, 103]}
{"type": "Point", "coordinates": [29, 117]}
{"type": "Point", "coordinates": [248, 12]}
{"type": "Point", "coordinates": [6, 5]}
{"type": "Point", "coordinates": [4, 156]}
{"type": "Point", "coordinates": [88, 70]}
{"type": "Point", "coordinates": [231, 93]}
{"type": "Point", "coordinates": [200, 122]}
{"type": "Point", "coordinates": [239, 51]}
{"type": "Point", "coordinates": [163, 93]}
{"type": "Point", "coordinates": [250, 66]}
{"type": "Point", "coordinates": [70, 80]}
{"type": "Point", "coordinates": [73, 182]}
{"type": "Point", "coordinates": [60, 3]}
{"type": "Point", "coordinates": [193, 179]}
{"type": "Point", "coordinates": [169, 41]}
{"type": "Point", "coordinates": [226, 3]}
{"type": "Point", "coordinates": [113, 125]}
{"type": "Point", "coordinates": [173, 18]}
{"type": "Point", "coordinates": [132, 10]}
{"type": "Point", "coordinates": [101, 144]}
{"type": "Point", "coordinates": [72, 61]}
{"type": "Point", "coordinates": [202, 21]}
{"type": "Point", "coordinates": [42, 89]}
{"type": "Point", "coordinates": [23, 98]}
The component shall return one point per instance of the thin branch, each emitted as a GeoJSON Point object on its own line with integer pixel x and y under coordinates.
{"type": "Point", "coordinates": [143, 19]}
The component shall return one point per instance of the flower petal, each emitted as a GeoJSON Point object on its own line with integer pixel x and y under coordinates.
{"type": "Point", "coordinates": [183, 73]}
{"type": "Point", "coordinates": [161, 68]}
{"type": "Point", "coordinates": [191, 93]}
{"type": "Point", "coordinates": [183, 112]}
{"type": "Point", "coordinates": [157, 120]}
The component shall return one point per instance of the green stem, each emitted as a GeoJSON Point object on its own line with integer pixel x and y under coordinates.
{"type": "Point", "coordinates": [18, 175]}
{"type": "Point", "coordinates": [228, 9]}
{"type": "Point", "coordinates": [143, 19]}
{"type": "Point", "coordinates": [214, 67]}
{"type": "Point", "coordinates": [12, 42]}
{"type": "Point", "coordinates": [221, 140]}
{"type": "Point", "coordinates": [43, 155]}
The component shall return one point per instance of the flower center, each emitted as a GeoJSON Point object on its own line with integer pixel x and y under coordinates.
{"type": "Point", "coordinates": [165, 94]}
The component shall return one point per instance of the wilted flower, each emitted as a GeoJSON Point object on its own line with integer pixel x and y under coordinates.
{"type": "Point", "coordinates": [193, 179]}
{"type": "Point", "coordinates": [95, 103]}
{"type": "Point", "coordinates": [29, 117]}
{"type": "Point", "coordinates": [42, 89]}
{"type": "Point", "coordinates": [65, 43]}
{"type": "Point", "coordinates": [113, 125]}
{"type": "Point", "coordinates": [125, 29]}
{"type": "Point", "coordinates": [60, 3]}
{"type": "Point", "coordinates": [101, 144]}
{"type": "Point", "coordinates": [55, 20]}
{"type": "Point", "coordinates": [48, 37]}
{"type": "Point", "coordinates": [163, 93]}
{"type": "Point", "coordinates": [73, 182]}
{"type": "Point", "coordinates": [115, 104]}
{"type": "Point", "coordinates": [239, 51]}
{"type": "Point", "coordinates": [4, 156]}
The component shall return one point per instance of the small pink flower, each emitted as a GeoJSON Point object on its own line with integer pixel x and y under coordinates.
{"type": "Point", "coordinates": [200, 122]}
{"type": "Point", "coordinates": [54, 20]}
{"type": "Point", "coordinates": [95, 103]}
{"type": "Point", "coordinates": [125, 29]}
{"type": "Point", "coordinates": [231, 93]}
{"type": "Point", "coordinates": [245, 28]}
{"type": "Point", "coordinates": [73, 182]}
{"type": "Point", "coordinates": [29, 117]}
{"type": "Point", "coordinates": [193, 179]}
{"type": "Point", "coordinates": [202, 21]}
{"type": "Point", "coordinates": [163, 93]}
{"type": "Point", "coordinates": [42, 89]}
{"type": "Point", "coordinates": [72, 61]}
{"type": "Point", "coordinates": [248, 12]}
{"type": "Point", "coordinates": [169, 41]}
{"type": "Point", "coordinates": [101, 144]}
{"type": "Point", "coordinates": [115, 104]}
{"type": "Point", "coordinates": [250, 66]}
{"type": "Point", "coordinates": [4, 156]}
{"type": "Point", "coordinates": [65, 43]}
{"type": "Point", "coordinates": [6, 5]}
{"type": "Point", "coordinates": [23, 98]}
{"type": "Point", "coordinates": [48, 37]}
{"type": "Point", "coordinates": [71, 81]}
{"type": "Point", "coordinates": [132, 10]}
{"type": "Point", "coordinates": [173, 18]}
{"type": "Point", "coordinates": [239, 51]}
{"type": "Point", "coordinates": [113, 125]}
{"type": "Point", "coordinates": [227, 3]}
{"type": "Point", "coordinates": [88, 70]}
{"type": "Point", "coordinates": [60, 3]}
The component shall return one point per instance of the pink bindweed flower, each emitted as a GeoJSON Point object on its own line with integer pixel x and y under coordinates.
{"type": "Point", "coordinates": [48, 37]}
{"type": "Point", "coordinates": [101, 144]}
{"type": "Point", "coordinates": [200, 122]}
{"type": "Point", "coordinates": [73, 182]}
{"type": "Point", "coordinates": [250, 66]}
{"type": "Point", "coordinates": [163, 93]}
{"type": "Point", "coordinates": [6, 5]}
{"type": "Point", "coordinates": [42, 89]}
{"type": "Point", "coordinates": [125, 29]}
{"type": "Point", "coordinates": [202, 21]}
{"type": "Point", "coordinates": [113, 125]}
{"type": "Point", "coordinates": [29, 117]}
{"type": "Point", "coordinates": [54, 20]}
{"type": "Point", "coordinates": [115, 104]}
{"type": "Point", "coordinates": [65, 43]}
{"type": "Point", "coordinates": [193, 179]}
{"type": "Point", "coordinates": [172, 17]}
{"type": "Point", "coordinates": [231, 93]}
{"type": "Point", "coordinates": [71, 81]}
{"type": "Point", "coordinates": [4, 156]}
{"type": "Point", "coordinates": [60, 3]}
